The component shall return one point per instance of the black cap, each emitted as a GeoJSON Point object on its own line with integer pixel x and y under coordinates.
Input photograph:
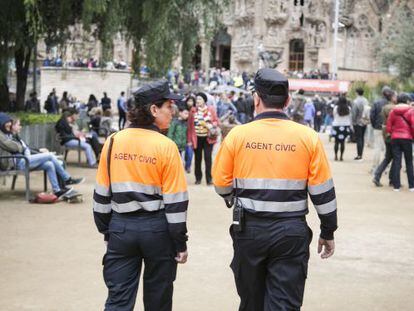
{"type": "Point", "coordinates": [153, 92]}
{"type": "Point", "coordinates": [271, 85]}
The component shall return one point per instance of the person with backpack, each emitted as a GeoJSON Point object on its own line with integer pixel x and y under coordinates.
{"type": "Point", "coordinates": [400, 125]}
{"type": "Point", "coordinates": [298, 107]}
{"type": "Point", "coordinates": [177, 131]}
{"type": "Point", "coordinates": [386, 110]}
{"type": "Point", "coordinates": [360, 120]}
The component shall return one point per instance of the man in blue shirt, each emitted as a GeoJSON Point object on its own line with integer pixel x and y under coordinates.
{"type": "Point", "coordinates": [122, 110]}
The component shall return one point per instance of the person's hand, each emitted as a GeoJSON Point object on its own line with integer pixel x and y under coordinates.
{"type": "Point", "coordinates": [327, 247]}
{"type": "Point", "coordinates": [181, 257]}
{"type": "Point", "coordinates": [189, 144]}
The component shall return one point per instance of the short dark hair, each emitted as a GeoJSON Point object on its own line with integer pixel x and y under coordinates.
{"type": "Point", "coordinates": [140, 115]}
{"type": "Point", "coordinates": [277, 99]}
{"type": "Point", "coordinates": [360, 91]}
{"type": "Point", "coordinates": [182, 108]}
{"type": "Point", "coordinates": [301, 91]}
{"type": "Point", "coordinates": [122, 93]}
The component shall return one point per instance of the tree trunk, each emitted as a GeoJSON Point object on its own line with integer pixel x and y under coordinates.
{"type": "Point", "coordinates": [4, 95]}
{"type": "Point", "coordinates": [22, 59]}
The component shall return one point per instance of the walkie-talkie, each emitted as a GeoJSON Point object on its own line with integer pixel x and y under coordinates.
{"type": "Point", "coordinates": [238, 212]}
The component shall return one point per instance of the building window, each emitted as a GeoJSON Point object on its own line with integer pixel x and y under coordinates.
{"type": "Point", "coordinates": [296, 55]}
{"type": "Point", "coordinates": [297, 2]}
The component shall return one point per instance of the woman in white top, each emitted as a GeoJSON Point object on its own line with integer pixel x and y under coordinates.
{"type": "Point", "coordinates": [341, 125]}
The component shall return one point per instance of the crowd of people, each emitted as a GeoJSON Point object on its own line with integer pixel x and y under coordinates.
{"type": "Point", "coordinates": [390, 120]}
{"type": "Point", "coordinates": [203, 117]}
{"type": "Point", "coordinates": [83, 63]}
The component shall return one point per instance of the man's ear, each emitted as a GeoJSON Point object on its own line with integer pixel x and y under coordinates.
{"type": "Point", "coordinates": [287, 101]}
{"type": "Point", "coordinates": [256, 100]}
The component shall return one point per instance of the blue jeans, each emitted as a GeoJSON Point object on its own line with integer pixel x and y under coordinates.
{"type": "Point", "coordinates": [90, 156]}
{"type": "Point", "coordinates": [49, 163]}
{"type": "Point", "coordinates": [189, 152]}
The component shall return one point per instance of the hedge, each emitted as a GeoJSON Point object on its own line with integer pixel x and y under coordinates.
{"type": "Point", "coordinates": [35, 118]}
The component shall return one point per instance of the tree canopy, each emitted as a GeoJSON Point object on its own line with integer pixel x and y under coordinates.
{"type": "Point", "coordinates": [157, 27]}
{"type": "Point", "coordinates": [397, 49]}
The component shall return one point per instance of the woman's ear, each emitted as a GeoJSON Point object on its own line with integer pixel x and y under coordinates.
{"type": "Point", "coordinates": [154, 110]}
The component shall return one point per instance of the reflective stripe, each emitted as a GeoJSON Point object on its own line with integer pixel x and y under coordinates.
{"type": "Point", "coordinates": [134, 206]}
{"type": "Point", "coordinates": [170, 198]}
{"type": "Point", "coordinates": [175, 218]}
{"type": "Point", "coordinates": [102, 190]}
{"type": "Point", "coordinates": [262, 183]}
{"type": "Point", "coordinates": [276, 207]}
{"type": "Point", "coordinates": [224, 190]}
{"type": "Point", "coordinates": [137, 187]}
{"type": "Point", "coordinates": [326, 208]}
{"type": "Point", "coordinates": [321, 188]}
{"type": "Point", "coordinates": [102, 208]}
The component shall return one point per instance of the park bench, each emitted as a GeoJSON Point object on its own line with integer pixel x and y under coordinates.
{"type": "Point", "coordinates": [26, 173]}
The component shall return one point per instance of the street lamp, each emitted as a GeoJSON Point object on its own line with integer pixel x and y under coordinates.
{"type": "Point", "coordinates": [335, 43]}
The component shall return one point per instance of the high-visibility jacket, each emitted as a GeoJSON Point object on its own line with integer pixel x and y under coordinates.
{"type": "Point", "coordinates": [272, 164]}
{"type": "Point", "coordinates": [147, 175]}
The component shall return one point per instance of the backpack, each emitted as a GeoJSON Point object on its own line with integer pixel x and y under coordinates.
{"type": "Point", "coordinates": [365, 119]}
{"type": "Point", "coordinates": [48, 105]}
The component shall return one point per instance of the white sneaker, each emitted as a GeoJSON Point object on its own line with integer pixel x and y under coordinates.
{"type": "Point", "coordinates": [411, 189]}
{"type": "Point", "coordinates": [396, 189]}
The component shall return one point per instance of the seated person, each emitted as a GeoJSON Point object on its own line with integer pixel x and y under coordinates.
{"type": "Point", "coordinates": [41, 161]}
{"type": "Point", "coordinates": [89, 143]}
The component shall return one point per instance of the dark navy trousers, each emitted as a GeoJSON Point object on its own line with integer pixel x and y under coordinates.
{"type": "Point", "coordinates": [270, 263]}
{"type": "Point", "coordinates": [135, 238]}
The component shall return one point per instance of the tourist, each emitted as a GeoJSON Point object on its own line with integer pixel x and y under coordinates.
{"type": "Point", "coordinates": [64, 103]}
{"type": "Point", "coordinates": [177, 131]}
{"type": "Point", "coordinates": [105, 102]}
{"type": "Point", "coordinates": [400, 125]}
{"type": "Point", "coordinates": [92, 102]}
{"type": "Point", "coordinates": [224, 106]}
{"type": "Point", "coordinates": [32, 105]}
{"type": "Point", "coordinates": [122, 110]}
{"type": "Point", "coordinates": [377, 121]}
{"type": "Point", "coordinates": [386, 110]}
{"type": "Point", "coordinates": [360, 120]}
{"type": "Point", "coordinates": [319, 113]}
{"type": "Point", "coordinates": [202, 135]}
{"type": "Point", "coordinates": [71, 140]}
{"type": "Point", "coordinates": [309, 113]}
{"type": "Point", "coordinates": [243, 109]}
{"type": "Point", "coordinates": [297, 108]}
{"type": "Point", "coordinates": [189, 151]}
{"type": "Point", "coordinates": [341, 125]}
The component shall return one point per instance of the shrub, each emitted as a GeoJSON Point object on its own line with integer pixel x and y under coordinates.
{"type": "Point", "coordinates": [35, 118]}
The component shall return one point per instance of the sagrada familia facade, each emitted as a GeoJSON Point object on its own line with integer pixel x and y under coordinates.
{"type": "Point", "coordinates": [297, 35]}
{"type": "Point", "coordinates": [292, 35]}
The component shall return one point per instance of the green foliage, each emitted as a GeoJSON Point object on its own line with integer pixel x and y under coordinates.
{"type": "Point", "coordinates": [35, 118]}
{"type": "Point", "coordinates": [398, 49]}
{"type": "Point", "coordinates": [368, 92]}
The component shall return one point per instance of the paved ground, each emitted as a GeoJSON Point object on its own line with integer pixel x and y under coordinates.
{"type": "Point", "coordinates": [50, 256]}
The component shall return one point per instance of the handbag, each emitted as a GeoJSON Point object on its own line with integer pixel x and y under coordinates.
{"type": "Point", "coordinates": [213, 132]}
{"type": "Point", "coordinates": [45, 198]}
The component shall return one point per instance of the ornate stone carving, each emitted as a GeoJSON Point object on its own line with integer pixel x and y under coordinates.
{"type": "Point", "coordinates": [276, 12]}
{"type": "Point", "coordinates": [321, 34]}
{"type": "Point", "coordinates": [270, 58]}
{"type": "Point", "coordinates": [244, 12]}
{"type": "Point", "coordinates": [243, 55]}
